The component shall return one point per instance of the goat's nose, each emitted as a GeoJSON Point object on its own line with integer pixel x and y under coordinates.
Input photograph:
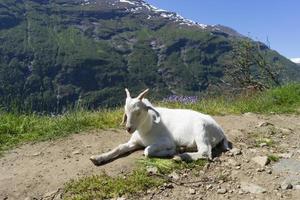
{"type": "Point", "coordinates": [128, 129]}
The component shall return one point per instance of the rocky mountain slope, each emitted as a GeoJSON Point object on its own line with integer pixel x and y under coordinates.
{"type": "Point", "coordinates": [55, 53]}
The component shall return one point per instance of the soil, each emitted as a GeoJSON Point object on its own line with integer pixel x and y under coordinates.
{"type": "Point", "coordinates": [40, 170]}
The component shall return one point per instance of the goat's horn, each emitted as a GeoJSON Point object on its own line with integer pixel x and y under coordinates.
{"type": "Point", "coordinates": [127, 93]}
{"type": "Point", "coordinates": [142, 95]}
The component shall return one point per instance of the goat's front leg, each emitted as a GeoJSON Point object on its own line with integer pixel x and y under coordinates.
{"type": "Point", "coordinates": [116, 152]}
{"type": "Point", "coordinates": [159, 150]}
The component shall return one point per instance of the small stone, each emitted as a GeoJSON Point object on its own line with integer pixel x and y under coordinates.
{"type": "Point", "coordinates": [286, 185]}
{"type": "Point", "coordinates": [263, 124]}
{"type": "Point", "coordinates": [192, 191]}
{"type": "Point", "coordinates": [269, 171]}
{"type": "Point", "coordinates": [121, 198]}
{"type": "Point", "coordinates": [221, 191]}
{"type": "Point", "coordinates": [260, 169]}
{"type": "Point", "coordinates": [208, 187]}
{"type": "Point", "coordinates": [252, 188]}
{"type": "Point", "coordinates": [235, 151]}
{"type": "Point", "coordinates": [37, 154]}
{"type": "Point", "coordinates": [168, 185]}
{"type": "Point", "coordinates": [50, 194]}
{"type": "Point", "coordinates": [174, 176]}
{"type": "Point", "coordinates": [238, 167]}
{"type": "Point", "coordinates": [185, 175]}
{"type": "Point", "coordinates": [285, 155]}
{"type": "Point", "coordinates": [261, 160]}
{"type": "Point", "coordinates": [296, 187]}
{"type": "Point", "coordinates": [263, 144]}
{"type": "Point", "coordinates": [152, 170]}
{"type": "Point", "coordinates": [76, 152]}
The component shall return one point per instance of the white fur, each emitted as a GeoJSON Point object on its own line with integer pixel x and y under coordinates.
{"type": "Point", "coordinates": [162, 131]}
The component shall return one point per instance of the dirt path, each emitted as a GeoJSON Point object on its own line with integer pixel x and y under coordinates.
{"type": "Point", "coordinates": [36, 170]}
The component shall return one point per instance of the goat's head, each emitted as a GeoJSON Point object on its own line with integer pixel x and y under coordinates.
{"type": "Point", "coordinates": [137, 110]}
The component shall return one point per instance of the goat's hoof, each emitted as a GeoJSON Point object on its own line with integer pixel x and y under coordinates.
{"type": "Point", "coordinates": [96, 160]}
{"type": "Point", "coordinates": [177, 158]}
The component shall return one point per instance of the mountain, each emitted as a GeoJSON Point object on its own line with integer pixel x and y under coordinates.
{"type": "Point", "coordinates": [55, 53]}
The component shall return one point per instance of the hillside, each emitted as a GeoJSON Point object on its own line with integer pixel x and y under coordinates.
{"type": "Point", "coordinates": [56, 53]}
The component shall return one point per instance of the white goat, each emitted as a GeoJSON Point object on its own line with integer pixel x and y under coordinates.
{"type": "Point", "coordinates": [163, 131]}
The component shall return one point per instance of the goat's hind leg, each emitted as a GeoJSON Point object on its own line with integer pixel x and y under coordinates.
{"type": "Point", "coordinates": [159, 151]}
{"type": "Point", "coordinates": [204, 152]}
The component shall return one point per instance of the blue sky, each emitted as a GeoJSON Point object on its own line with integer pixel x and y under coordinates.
{"type": "Point", "coordinates": [277, 20]}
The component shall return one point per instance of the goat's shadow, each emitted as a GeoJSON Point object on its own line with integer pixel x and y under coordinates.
{"type": "Point", "coordinates": [216, 152]}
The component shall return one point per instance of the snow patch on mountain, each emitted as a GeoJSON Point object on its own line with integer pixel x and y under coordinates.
{"type": "Point", "coordinates": [139, 6]}
{"type": "Point", "coordinates": [295, 60]}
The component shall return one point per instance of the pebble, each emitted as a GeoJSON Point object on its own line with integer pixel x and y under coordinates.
{"type": "Point", "coordinates": [208, 187]}
{"type": "Point", "coordinates": [221, 191]}
{"type": "Point", "coordinates": [261, 160]}
{"type": "Point", "coordinates": [286, 185]}
{"type": "Point", "coordinates": [174, 176]}
{"type": "Point", "coordinates": [152, 170]}
{"type": "Point", "coordinates": [192, 191]}
{"type": "Point", "coordinates": [296, 187]}
{"type": "Point", "coordinates": [263, 124]}
{"type": "Point", "coordinates": [76, 152]}
{"type": "Point", "coordinates": [236, 151]}
{"type": "Point", "coordinates": [252, 188]}
{"type": "Point", "coordinates": [263, 144]}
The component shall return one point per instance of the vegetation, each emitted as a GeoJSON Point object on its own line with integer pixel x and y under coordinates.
{"type": "Point", "coordinates": [16, 128]}
{"type": "Point", "coordinates": [58, 54]}
{"type": "Point", "coordinates": [104, 186]}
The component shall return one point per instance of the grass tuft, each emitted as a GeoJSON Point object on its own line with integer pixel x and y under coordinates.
{"type": "Point", "coordinates": [104, 186]}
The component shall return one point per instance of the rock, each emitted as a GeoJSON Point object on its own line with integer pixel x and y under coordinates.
{"type": "Point", "coordinates": [152, 170]}
{"type": "Point", "coordinates": [263, 144]}
{"type": "Point", "coordinates": [260, 169]}
{"type": "Point", "coordinates": [263, 124]}
{"type": "Point", "coordinates": [261, 160]}
{"type": "Point", "coordinates": [37, 154]}
{"type": "Point", "coordinates": [285, 155]}
{"type": "Point", "coordinates": [286, 185]}
{"type": "Point", "coordinates": [235, 151]}
{"type": "Point", "coordinates": [76, 152]}
{"type": "Point", "coordinates": [208, 187]}
{"type": "Point", "coordinates": [269, 171]}
{"type": "Point", "coordinates": [252, 188]}
{"type": "Point", "coordinates": [121, 198]}
{"type": "Point", "coordinates": [192, 191]}
{"type": "Point", "coordinates": [287, 165]}
{"type": "Point", "coordinates": [174, 176]}
{"type": "Point", "coordinates": [221, 191]}
{"type": "Point", "coordinates": [296, 187]}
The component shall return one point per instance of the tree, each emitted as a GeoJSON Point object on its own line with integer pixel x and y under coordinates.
{"type": "Point", "coordinates": [250, 67]}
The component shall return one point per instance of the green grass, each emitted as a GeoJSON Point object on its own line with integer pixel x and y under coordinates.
{"type": "Point", "coordinates": [16, 129]}
{"type": "Point", "coordinates": [285, 99]}
{"type": "Point", "coordinates": [273, 158]}
{"type": "Point", "coordinates": [104, 186]}
{"type": "Point", "coordinates": [165, 166]}
{"type": "Point", "coordinates": [20, 128]}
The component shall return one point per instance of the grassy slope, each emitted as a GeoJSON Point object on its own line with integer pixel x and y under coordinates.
{"type": "Point", "coordinates": [16, 129]}
{"type": "Point", "coordinates": [20, 128]}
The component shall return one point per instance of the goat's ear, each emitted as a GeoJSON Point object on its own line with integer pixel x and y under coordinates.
{"type": "Point", "coordinates": [143, 94]}
{"type": "Point", "coordinates": [154, 114]}
{"type": "Point", "coordinates": [127, 93]}
{"type": "Point", "coordinates": [124, 119]}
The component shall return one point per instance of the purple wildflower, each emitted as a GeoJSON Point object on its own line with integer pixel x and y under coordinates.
{"type": "Point", "coordinates": [181, 99]}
